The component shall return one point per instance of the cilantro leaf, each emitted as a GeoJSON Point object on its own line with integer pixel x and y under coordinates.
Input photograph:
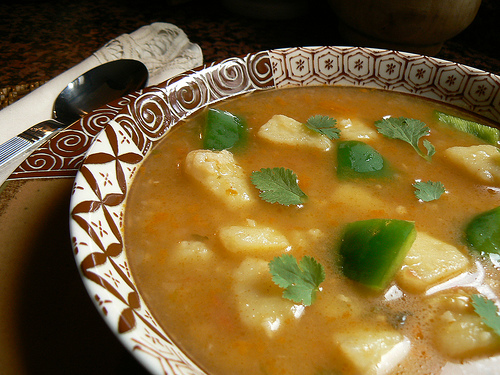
{"type": "Point", "coordinates": [488, 312]}
{"type": "Point", "coordinates": [300, 280]}
{"type": "Point", "coordinates": [409, 130]}
{"type": "Point", "coordinates": [278, 185]}
{"type": "Point", "coordinates": [431, 150]}
{"type": "Point", "coordinates": [324, 125]}
{"type": "Point", "coordinates": [428, 191]}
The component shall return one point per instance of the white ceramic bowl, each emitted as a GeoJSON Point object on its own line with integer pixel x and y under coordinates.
{"type": "Point", "coordinates": [101, 186]}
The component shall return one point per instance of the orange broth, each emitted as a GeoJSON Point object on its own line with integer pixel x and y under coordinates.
{"type": "Point", "coordinates": [196, 299]}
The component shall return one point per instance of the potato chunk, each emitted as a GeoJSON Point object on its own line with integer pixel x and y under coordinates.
{"type": "Point", "coordinates": [302, 239]}
{"type": "Point", "coordinates": [482, 162]}
{"type": "Point", "coordinates": [286, 130]}
{"type": "Point", "coordinates": [429, 262]}
{"type": "Point", "coordinates": [219, 173]}
{"type": "Point", "coordinates": [464, 334]}
{"type": "Point", "coordinates": [373, 351]}
{"type": "Point", "coordinates": [356, 130]}
{"type": "Point", "coordinates": [339, 306]}
{"type": "Point", "coordinates": [252, 240]}
{"type": "Point", "coordinates": [191, 251]}
{"type": "Point", "coordinates": [357, 198]}
{"type": "Point", "coordinates": [259, 301]}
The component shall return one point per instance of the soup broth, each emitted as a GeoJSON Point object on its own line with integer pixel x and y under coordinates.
{"type": "Point", "coordinates": [201, 258]}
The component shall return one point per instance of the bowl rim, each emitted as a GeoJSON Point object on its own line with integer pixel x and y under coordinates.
{"type": "Point", "coordinates": [99, 191]}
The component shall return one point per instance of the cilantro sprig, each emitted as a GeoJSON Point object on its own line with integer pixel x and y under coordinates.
{"type": "Point", "coordinates": [300, 280]}
{"type": "Point", "coordinates": [488, 312]}
{"type": "Point", "coordinates": [278, 185]}
{"type": "Point", "coordinates": [408, 130]}
{"type": "Point", "coordinates": [429, 191]}
{"type": "Point", "coordinates": [324, 125]}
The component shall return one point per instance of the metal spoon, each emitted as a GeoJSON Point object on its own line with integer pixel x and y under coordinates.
{"type": "Point", "coordinates": [90, 91]}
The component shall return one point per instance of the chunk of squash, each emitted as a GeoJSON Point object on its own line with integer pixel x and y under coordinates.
{"type": "Point", "coordinates": [288, 131]}
{"type": "Point", "coordinates": [429, 262]}
{"type": "Point", "coordinates": [191, 251]}
{"type": "Point", "coordinates": [463, 334]}
{"type": "Point", "coordinates": [458, 331]}
{"type": "Point", "coordinates": [304, 239]}
{"type": "Point", "coordinates": [259, 301]}
{"type": "Point", "coordinates": [219, 173]}
{"type": "Point", "coordinates": [356, 130]}
{"type": "Point", "coordinates": [373, 351]}
{"type": "Point", "coordinates": [253, 240]}
{"type": "Point", "coordinates": [339, 306]}
{"type": "Point", "coordinates": [353, 196]}
{"type": "Point", "coordinates": [482, 162]}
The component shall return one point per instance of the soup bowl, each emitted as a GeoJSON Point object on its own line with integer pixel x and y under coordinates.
{"type": "Point", "coordinates": [100, 189]}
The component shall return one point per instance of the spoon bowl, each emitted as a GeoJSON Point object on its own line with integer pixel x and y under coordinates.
{"type": "Point", "coordinates": [97, 87]}
{"type": "Point", "coordinates": [93, 89]}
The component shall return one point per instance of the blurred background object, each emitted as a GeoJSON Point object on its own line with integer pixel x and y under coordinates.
{"type": "Point", "coordinates": [420, 26]}
{"type": "Point", "coordinates": [268, 9]}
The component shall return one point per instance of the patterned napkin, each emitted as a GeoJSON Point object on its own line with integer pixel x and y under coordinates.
{"type": "Point", "coordinates": [164, 48]}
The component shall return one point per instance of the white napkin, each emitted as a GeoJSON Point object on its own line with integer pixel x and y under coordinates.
{"type": "Point", "coordinates": [164, 48]}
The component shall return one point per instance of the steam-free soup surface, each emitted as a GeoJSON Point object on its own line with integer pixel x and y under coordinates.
{"type": "Point", "coordinates": [200, 266]}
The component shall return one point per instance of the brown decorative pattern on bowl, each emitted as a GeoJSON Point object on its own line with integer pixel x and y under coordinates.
{"type": "Point", "coordinates": [437, 79]}
{"type": "Point", "coordinates": [100, 188]}
{"type": "Point", "coordinates": [63, 154]}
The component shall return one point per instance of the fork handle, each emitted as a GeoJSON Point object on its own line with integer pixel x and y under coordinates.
{"type": "Point", "coordinates": [27, 142]}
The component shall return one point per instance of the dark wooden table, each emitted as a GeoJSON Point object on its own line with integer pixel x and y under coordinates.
{"type": "Point", "coordinates": [48, 324]}
{"type": "Point", "coordinates": [42, 38]}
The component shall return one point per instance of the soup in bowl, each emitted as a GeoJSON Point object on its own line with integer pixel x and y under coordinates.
{"type": "Point", "coordinates": [313, 211]}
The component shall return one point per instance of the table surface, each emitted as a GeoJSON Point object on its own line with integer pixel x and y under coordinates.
{"type": "Point", "coordinates": [43, 38]}
{"type": "Point", "coordinates": [48, 324]}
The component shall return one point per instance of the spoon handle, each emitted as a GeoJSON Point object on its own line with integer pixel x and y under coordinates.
{"type": "Point", "coordinates": [21, 146]}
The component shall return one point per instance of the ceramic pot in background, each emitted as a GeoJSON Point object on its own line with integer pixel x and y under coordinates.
{"type": "Point", "coordinates": [267, 9]}
{"type": "Point", "coordinates": [420, 26]}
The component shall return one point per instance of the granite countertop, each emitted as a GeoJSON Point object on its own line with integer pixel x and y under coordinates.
{"type": "Point", "coordinates": [47, 323]}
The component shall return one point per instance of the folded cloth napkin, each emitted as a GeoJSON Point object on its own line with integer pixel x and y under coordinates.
{"type": "Point", "coordinates": [164, 48]}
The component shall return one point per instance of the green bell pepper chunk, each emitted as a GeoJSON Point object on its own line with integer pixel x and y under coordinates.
{"type": "Point", "coordinates": [483, 232]}
{"type": "Point", "coordinates": [223, 130]}
{"type": "Point", "coordinates": [372, 251]}
{"type": "Point", "coordinates": [484, 132]}
{"type": "Point", "coordinates": [356, 159]}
